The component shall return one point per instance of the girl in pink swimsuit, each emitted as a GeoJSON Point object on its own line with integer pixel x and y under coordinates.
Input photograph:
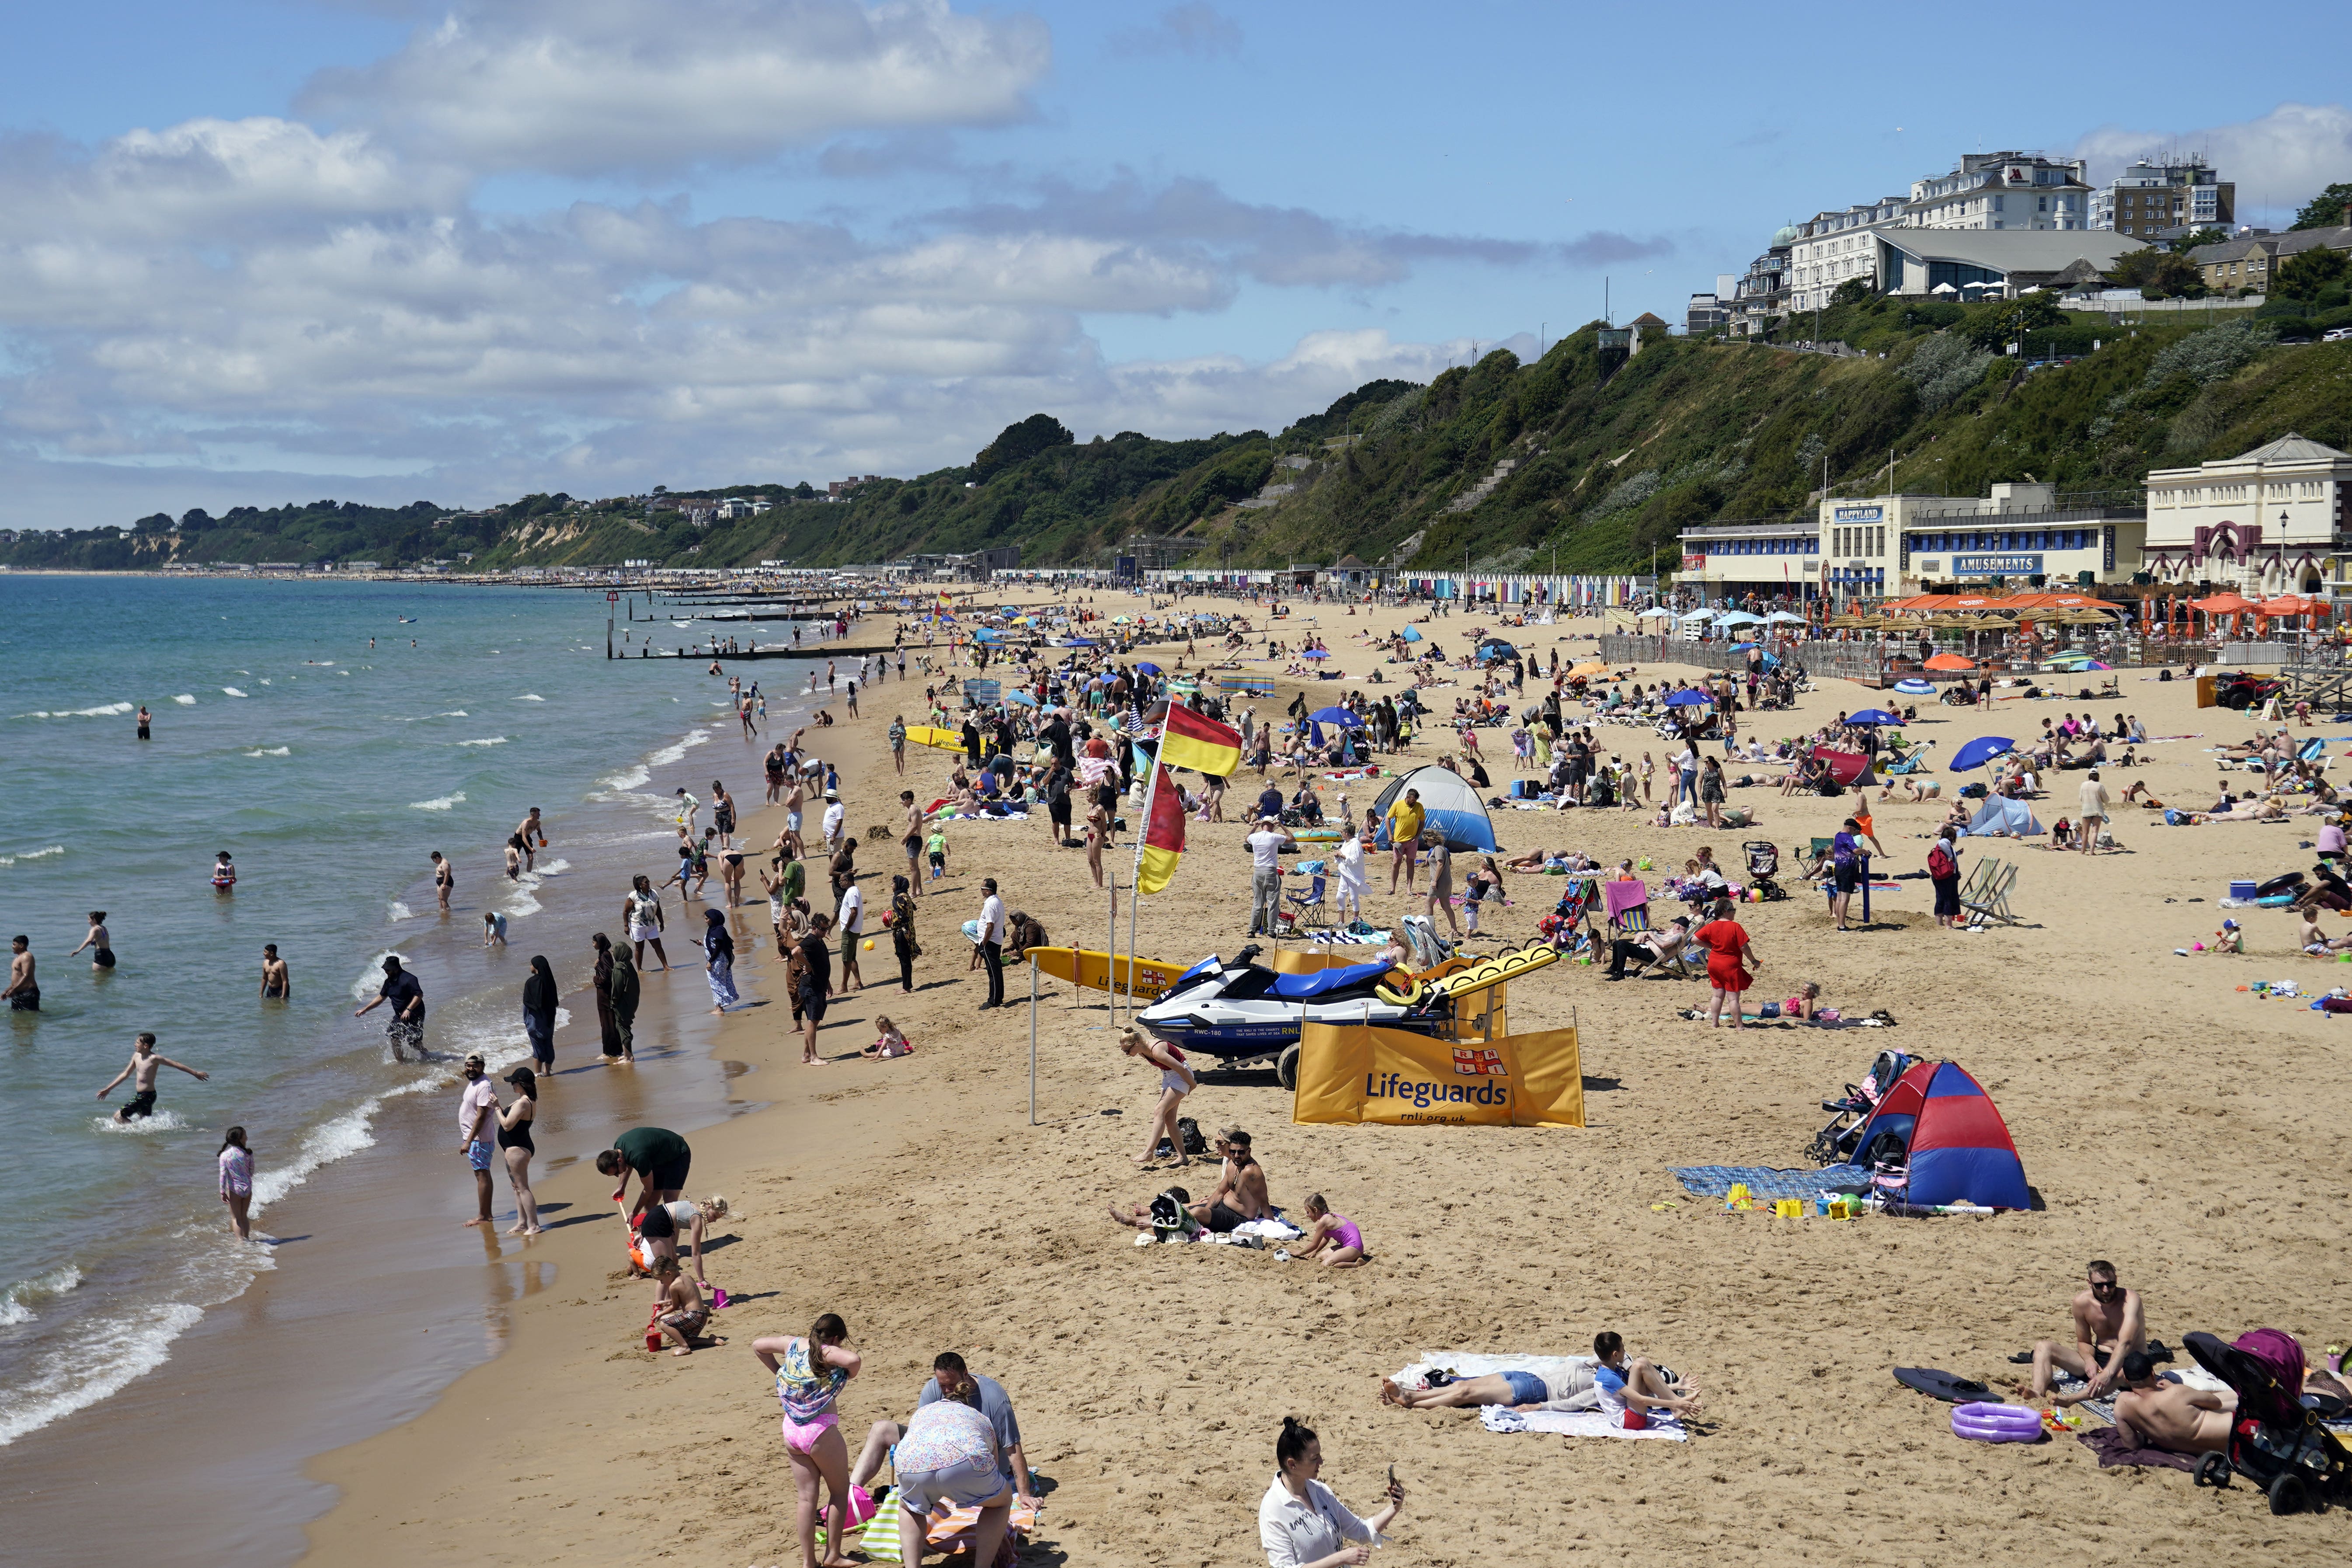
{"type": "Point", "coordinates": [809, 1376]}
{"type": "Point", "coordinates": [1335, 1231]}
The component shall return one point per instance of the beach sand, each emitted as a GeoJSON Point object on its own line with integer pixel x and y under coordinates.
{"type": "Point", "coordinates": [2182, 1128]}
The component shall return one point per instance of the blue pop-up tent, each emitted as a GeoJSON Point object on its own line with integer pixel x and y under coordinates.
{"type": "Point", "coordinates": [1940, 1122]}
{"type": "Point", "coordinates": [1452, 804]}
{"type": "Point", "coordinates": [2001, 815]}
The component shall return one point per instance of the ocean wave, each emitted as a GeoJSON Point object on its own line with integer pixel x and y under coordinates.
{"type": "Point", "coordinates": [97, 1360]}
{"type": "Point", "coordinates": [185, 699]}
{"type": "Point", "coordinates": [439, 802]}
{"type": "Point", "coordinates": [271, 751]}
{"type": "Point", "coordinates": [453, 713]}
{"type": "Point", "coordinates": [493, 741]}
{"type": "Point", "coordinates": [17, 1301]}
{"type": "Point", "coordinates": [108, 712]}
{"type": "Point", "coordinates": [231, 692]}
{"type": "Point", "coordinates": [677, 754]}
{"type": "Point", "coordinates": [401, 911]}
{"type": "Point", "coordinates": [344, 1136]}
{"type": "Point", "coordinates": [530, 697]}
{"type": "Point", "coordinates": [141, 1126]}
{"type": "Point", "coordinates": [627, 779]}
{"type": "Point", "coordinates": [33, 854]}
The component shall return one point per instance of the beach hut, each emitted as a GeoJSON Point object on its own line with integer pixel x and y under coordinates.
{"type": "Point", "coordinates": [1959, 1147]}
{"type": "Point", "coordinates": [1451, 803]}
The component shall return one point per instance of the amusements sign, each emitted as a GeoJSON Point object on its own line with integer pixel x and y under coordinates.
{"type": "Point", "coordinates": [1354, 1073]}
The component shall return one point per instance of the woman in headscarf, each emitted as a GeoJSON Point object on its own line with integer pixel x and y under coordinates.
{"type": "Point", "coordinates": [720, 949]}
{"type": "Point", "coordinates": [624, 1004]}
{"type": "Point", "coordinates": [539, 1012]}
{"type": "Point", "coordinates": [608, 1026]}
{"type": "Point", "coordinates": [902, 933]}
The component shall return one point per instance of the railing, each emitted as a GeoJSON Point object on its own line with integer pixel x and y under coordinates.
{"type": "Point", "coordinates": [1861, 662]}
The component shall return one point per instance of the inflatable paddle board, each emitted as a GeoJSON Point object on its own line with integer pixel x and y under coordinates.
{"type": "Point", "coordinates": [932, 736]}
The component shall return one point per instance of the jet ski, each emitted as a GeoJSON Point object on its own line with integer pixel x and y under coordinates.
{"type": "Point", "coordinates": [1241, 1012]}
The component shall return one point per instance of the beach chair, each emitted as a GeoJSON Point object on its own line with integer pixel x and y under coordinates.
{"type": "Point", "coordinates": [1309, 908]}
{"type": "Point", "coordinates": [1992, 901]}
{"type": "Point", "coordinates": [1633, 920]}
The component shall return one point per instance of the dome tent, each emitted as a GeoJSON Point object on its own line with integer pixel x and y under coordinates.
{"type": "Point", "coordinates": [1451, 803]}
{"type": "Point", "coordinates": [1951, 1132]}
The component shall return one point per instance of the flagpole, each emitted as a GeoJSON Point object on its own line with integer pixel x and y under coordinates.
{"type": "Point", "coordinates": [1134, 882]}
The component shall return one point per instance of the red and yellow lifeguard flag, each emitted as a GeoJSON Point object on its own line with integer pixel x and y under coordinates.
{"type": "Point", "coordinates": [1163, 835]}
{"type": "Point", "coordinates": [1189, 740]}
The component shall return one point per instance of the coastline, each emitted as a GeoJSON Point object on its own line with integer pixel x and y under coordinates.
{"type": "Point", "coordinates": [363, 1313]}
{"type": "Point", "coordinates": [915, 1199]}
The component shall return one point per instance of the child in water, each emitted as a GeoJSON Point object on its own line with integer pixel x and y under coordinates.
{"type": "Point", "coordinates": [494, 929]}
{"type": "Point", "coordinates": [224, 872]}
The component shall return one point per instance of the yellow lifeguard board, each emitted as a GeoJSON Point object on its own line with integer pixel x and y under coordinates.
{"type": "Point", "coordinates": [1100, 971]}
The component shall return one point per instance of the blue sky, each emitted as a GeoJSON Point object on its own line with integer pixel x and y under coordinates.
{"type": "Point", "coordinates": [263, 250]}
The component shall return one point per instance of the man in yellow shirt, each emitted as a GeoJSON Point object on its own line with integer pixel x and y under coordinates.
{"type": "Point", "coordinates": [1405, 819]}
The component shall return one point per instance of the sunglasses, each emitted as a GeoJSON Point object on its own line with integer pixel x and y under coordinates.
{"type": "Point", "coordinates": [2101, 1286]}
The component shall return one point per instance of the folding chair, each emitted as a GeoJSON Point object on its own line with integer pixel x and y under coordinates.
{"type": "Point", "coordinates": [1992, 899]}
{"type": "Point", "coordinates": [1310, 905]}
{"type": "Point", "coordinates": [1971, 890]}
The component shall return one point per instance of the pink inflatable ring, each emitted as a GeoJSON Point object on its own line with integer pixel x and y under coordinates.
{"type": "Point", "coordinates": [1997, 1423]}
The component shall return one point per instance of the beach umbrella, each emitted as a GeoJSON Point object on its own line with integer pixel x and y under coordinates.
{"type": "Point", "coordinates": [1317, 653]}
{"type": "Point", "coordinates": [1021, 696]}
{"type": "Point", "coordinates": [1950, 661]}
{"type": "Point", "coordinates": [1783, 618]}
{"type": "Point", "coordinates": [1740, 618]}
{"type": "Point", "coordinates": [1916, 687]}
{"type": "Point", "coordinates": [1981, 751]}
{"type": "Point", "coordinates": [1147, 668]}
{"type": "Point", "coordinates": [1118, 620]}
{"type": "Point", "coordinates": [1698, 614]}
{"type": "Point", "coordinates": [1653, 612]}
{"type": "Point", "coordinates": [1874, 716]}
{"type": "Point", "coordinates": [1687, 699]}
{"type": "Point", "coordinates": [1339, 716]}
{"type": "Point", "coordinates": [2289, 604]}
{"type": "Point", "coordinates": [1588, 667]}
{"type": "Point", "coordinates": [2224, 604]}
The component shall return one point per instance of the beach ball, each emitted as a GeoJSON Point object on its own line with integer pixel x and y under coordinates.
{"type": "Point", "coordinates": [869, 944]}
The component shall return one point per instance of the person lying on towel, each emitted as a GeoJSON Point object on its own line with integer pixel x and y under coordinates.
{"type": "Point", "coordinates": [1518, 1390]}
{"type": "Point", "coordinates": [2171, 1416]}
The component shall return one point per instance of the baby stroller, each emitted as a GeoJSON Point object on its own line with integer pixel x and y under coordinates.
{"type": "Point", "coordinates": [1763, 865]}
{"type": "Point", "coordinates": [1834, 1144]}
{"type": "Point", "coordinates": [2275, 1440]}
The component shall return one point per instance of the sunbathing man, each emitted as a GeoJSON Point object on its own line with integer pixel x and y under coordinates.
{"type": "Point", "coordinates": [2109, 1325]}
{"type": "Point", "coordinates": [2171, 1416]}
{"type": "Point", "coordinates": [1241, 1194]}
{"type": "Point", "coordinates": [1518, 1390]}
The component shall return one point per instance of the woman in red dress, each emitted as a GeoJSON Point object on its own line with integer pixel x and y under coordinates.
{"type": "Point", "coordinates": [1731, 962]}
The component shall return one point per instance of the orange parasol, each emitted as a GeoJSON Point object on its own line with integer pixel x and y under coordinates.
{"type": "Point", "coordinates": [2224, 604]}
{"type": "Point", "coordinates": [1950, 661]}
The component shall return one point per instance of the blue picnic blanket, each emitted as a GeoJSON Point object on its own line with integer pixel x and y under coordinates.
{"type": "Point", "coordinates": [1763, 1182]}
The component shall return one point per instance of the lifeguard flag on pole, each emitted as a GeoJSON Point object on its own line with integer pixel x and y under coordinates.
{"type": "Point", "coordinates": [1187, 740]}
{"type": "Point", "coordinates": [1163, 835]}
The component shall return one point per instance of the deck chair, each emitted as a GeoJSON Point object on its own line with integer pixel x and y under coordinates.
{"type": "Point", "coordinates": [1309, 907]}
{"type": "Point", "coordinates": [1633, 920]}
{"type": "Point", "coordinates": [1972, 890]}
{"type": "Point", "coordinates": [1992, 902]}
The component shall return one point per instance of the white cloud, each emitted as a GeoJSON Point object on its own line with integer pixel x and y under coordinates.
{"type": "Point", "coordinates": [2282, 159]}
{"type": "Point", "coordinates": [595, 87]}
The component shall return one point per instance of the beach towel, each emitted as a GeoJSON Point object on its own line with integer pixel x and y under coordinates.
{"type": "Point", "coordinates": [1576, 1424]}
{"type": "Point", "coordinates": [1571, 1371]}
{"type": "Point", "coordinates": [2112, 1449]}
{"type": "Point", "coordinates": [1764, 1181]}
{"type": "Point", "coordinates": [949, 1531]}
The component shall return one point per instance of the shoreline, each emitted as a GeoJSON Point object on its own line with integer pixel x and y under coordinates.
{"type": "Point", "coordinates": [362, 1243]}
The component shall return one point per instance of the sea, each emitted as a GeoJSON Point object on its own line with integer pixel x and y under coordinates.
{"type": "Point", "coordinates": [328, 736]}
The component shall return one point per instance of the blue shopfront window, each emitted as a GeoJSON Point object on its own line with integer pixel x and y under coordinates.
{"type": "Point", "coordinates": [1960, 275]}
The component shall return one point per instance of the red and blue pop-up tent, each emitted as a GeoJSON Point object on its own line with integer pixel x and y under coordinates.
{"type": "Point", "coordinates": [1959, 1147]}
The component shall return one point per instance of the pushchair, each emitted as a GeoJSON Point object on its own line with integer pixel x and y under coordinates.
{"type": "Point", "coordinates": [2276, 1439]}
{"type": "Point", "coordinates": [1763, 865]}
{"type": "Point", "coordinates": [1834, 1144]}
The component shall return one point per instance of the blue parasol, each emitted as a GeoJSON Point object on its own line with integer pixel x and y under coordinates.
{"type": "Point", "coordinates": [1148, 668]}
{"type": "Point", "coordinates": [1687, 699]}
{"type": "Point", "coordinates": [1339, 716]}
{"type": "Point", "coordinates": [1981, 751]}
{"type": "Point", "coordinates": [1875, 716]}
{"type": "Point", "coordinates": [1317, 653]}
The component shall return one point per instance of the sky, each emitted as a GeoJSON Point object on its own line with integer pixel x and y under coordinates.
{"type": "Point", "coordinates": [260, 251]}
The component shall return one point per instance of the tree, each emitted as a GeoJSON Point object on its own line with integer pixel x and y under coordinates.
{"type": "Point", "coordinates": [1853, 291]}
{"type": "Point", "coordinates": [1018, 443]}
{"type": "Point", "coordinates": [2188, 242]}
{"type": "Point", "coordinates": [2009, 320]}
{"type": "Point", "coordinates": [2307, 276]}
{"type": "Point", "coordinates": [2326, 210]}
{"type": "Point", "coordinates": [2157, 275]}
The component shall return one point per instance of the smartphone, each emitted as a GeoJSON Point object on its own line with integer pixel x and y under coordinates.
{"type": "Point", "coordinates": [1392, 1477]}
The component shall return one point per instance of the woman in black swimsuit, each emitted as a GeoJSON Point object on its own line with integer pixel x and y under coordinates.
{"type": "Point", "coordinates": [514, 1142]}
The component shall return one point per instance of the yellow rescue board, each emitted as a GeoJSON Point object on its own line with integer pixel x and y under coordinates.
{"type": "Point", "coordinates": [1099, 971]}
{"type": "Point", "coordinates": [1495, 971]}
{"type": "Point", "coordinates": [932, 735]}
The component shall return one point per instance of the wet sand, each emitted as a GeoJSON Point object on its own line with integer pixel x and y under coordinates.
{"type": "Point", "coordinates": [2168, 1121]}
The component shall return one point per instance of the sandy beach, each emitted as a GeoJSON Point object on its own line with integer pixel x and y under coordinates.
{"type": "Point", "coordinates": [2171, 1121]}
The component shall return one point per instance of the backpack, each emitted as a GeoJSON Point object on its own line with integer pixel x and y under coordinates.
{"type": "Point", "coordinates": [1940, 863]}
